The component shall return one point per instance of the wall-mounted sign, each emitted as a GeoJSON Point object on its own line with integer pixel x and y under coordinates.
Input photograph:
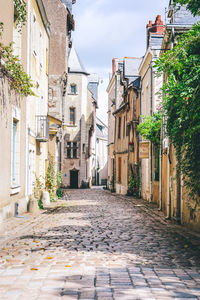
{"type": "Point", "coordinates": [144, 150]}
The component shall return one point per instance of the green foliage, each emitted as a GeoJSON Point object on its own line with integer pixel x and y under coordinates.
{"type": "Point", "coordinates": [38, 191]}
{"type": "Point", "coordinates": [181, 104]}
{"type": "Point", "coordinates": [134, 185]}
{"type": "Point", "coordinates": [20, 12]}
{"type": "Point", "coordinates": [13, 69]}
{"type": "Point", "coordinates": [59, 193]}
{"type": "Point", "coordinates": [150, 128]}
{"type": "Point", "coordinates": [59, 177]}
{"type": "Point", "coordinates": [51, 180]}
{"type": "Point", "coordinates": [192, 5]}
{"type": "Point", "coordinates": [112, 184]}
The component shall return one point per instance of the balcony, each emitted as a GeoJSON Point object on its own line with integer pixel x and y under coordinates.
{"type": "Point", "coordinates": [42, 133]}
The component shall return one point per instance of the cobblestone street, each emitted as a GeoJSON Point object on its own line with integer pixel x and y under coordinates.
{"type": "Point", "coordinates": [96, 245]}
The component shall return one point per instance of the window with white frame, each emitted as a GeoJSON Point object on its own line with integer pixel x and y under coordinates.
{"type": "Point", "coordinates": [15, 151]}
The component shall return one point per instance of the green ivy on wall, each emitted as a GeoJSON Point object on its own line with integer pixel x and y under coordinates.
{"type": "Point", "coordinates": [181, 104]}
{"type": "Point", "coordinates": [13, 69]}
{"type": "Point", "coordinates": [20, 12]}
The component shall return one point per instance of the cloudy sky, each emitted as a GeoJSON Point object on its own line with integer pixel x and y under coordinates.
{"type": "Point", "coordinates": [105, 29]}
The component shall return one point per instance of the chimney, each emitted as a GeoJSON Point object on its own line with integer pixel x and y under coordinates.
{"type": "Point", "coordinates": [114, 64]}
{"type": "Point", "coordinates": [157, 28]}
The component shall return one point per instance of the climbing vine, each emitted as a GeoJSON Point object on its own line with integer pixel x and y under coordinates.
{"type": "Point", "coordinates": [13, 69]}
{"type": "Point", "coordinates": [20, 13]}
{"type": "Point", "coordinates": [150, 128]}
{"type": "Point", "coordinates": [181, 104]}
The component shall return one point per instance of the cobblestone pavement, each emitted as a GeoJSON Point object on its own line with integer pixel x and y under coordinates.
{"type": "Point", "coordinates": [96, 245]}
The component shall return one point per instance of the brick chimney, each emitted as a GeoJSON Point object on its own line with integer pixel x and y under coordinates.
{"type": "Point", "coordinates": [155, 29]}
{"type": "Point", "coordinates": [114, 66]}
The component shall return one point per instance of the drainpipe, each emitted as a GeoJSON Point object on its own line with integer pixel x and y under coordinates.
{"type": "Point", "coordinates": [151, 113]}
{"type": "Point", "coordinates": [28, 72]}
{"type": "Point", "coordinates": [168, 185]}
{"type": "Point", "coordinates": [160, 169]}
{"type": "Point", "coordinates": [140, 165]}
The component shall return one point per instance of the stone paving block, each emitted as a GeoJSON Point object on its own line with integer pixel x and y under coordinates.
{"type": "Point", "coordinates": [94, 248]}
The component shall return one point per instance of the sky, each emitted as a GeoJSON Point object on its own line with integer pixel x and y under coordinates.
{"type": "Point", "coordinates": [105, 29]}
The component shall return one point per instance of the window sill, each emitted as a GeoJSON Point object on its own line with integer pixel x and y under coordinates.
{"type": "Point", "coordinates": [15, 189]}
{"type": "Point", "coordinates": [71, 125]}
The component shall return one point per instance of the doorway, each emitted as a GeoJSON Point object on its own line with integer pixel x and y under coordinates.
{"type": "Point", "coordinates": [74, 179]}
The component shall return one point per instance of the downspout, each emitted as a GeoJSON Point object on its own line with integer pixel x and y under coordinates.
{"type": "Point", "coordinates": [151, 113]}
{"type": "Point", "coordinates": [169, 186]}
{"type": "Point", "coordinates": [27, 125]}
{"type": "Point", "coordinates": [160, 169]}
{"type": "Point", "coordinates": [140, 164]}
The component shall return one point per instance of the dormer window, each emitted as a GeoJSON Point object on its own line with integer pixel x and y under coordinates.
{"type": "Point", "coordinates": [73, 89]}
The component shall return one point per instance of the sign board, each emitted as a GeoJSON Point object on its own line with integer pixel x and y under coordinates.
{"type": "Point", "coordinates": [144, 150]}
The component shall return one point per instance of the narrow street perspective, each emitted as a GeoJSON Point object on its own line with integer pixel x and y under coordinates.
{"type": "Point", "coordinates": [99, 149]}
{"type": "Point", "coordinates": [95, 245]}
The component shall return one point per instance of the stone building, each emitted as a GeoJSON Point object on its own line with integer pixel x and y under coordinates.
{"type": "Point", "coordinates": [13, 122]}
{"type": "Point", "coordinates": [61, 25]}
{"type": "Point", "coordinates": [125, 124]}
{"type": "Point", "coordinates": [174, 199]}
{"type": "Point", "coordinates": [122, 102]}
{"type": "Point", "coordinates": [115, 91]}
{"type": "Point", "coordinates": [37, 106]}
{"type": "Point", "coordinates": [150, 104]}
{"type": "Point", "coordinates": [101, 151]}
{"type": "Point", "coordinates": [79, 126]}
{"type": "Point", "coordinates": [24, 119]}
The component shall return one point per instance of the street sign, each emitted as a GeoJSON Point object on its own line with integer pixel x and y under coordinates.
{"type": "Point", "coordinates": [144, 150]}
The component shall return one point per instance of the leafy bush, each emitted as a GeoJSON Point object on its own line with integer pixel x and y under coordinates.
{"type": "Point", "coordinates": [51, 179]}
{"type": "Point", "coordinates": [134, 186]}
{"type": "Point", "coordinates": [38, 191]}
{"type": "Point", "coordinates": [150, 128]}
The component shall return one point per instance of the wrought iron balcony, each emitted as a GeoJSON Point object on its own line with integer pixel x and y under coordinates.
{"type": "Point", "coordinates": [42, 133]}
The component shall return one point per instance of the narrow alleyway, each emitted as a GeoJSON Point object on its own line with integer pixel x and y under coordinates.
{"type": "Point", "coordinates": [99, 246]}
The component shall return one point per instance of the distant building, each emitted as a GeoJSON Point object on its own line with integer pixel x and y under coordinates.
{"type": "Point", "coordinates": [80, 110]}
{"type": "Point", "coordinates": [150, 104]}
{"type": "Point", "coordinates": [115, 92]}
{"type": "Point", "coordinates": [101, 151]}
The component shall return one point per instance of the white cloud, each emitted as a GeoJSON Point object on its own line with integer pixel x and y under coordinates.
{"type": "Point", "coordinates": [112, 28]}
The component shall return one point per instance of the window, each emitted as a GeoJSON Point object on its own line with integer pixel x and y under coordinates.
{"type": "Point", "coordinates": [14, 150]}
{"type": "Point", "coordinates": [128, 129]}
{"type": "Point", "coordinates": [73, 89]}
{"type": "Point", "coordinates": [124, 126]}
{"type": "Point", "coordinates": [72, 115]}
{"type": "Point", "coordinates": [75, 150]}
{"type": "Point", "coordinates": [119, 169]}
{"type": "Point", "coordinates": [119, 128]}
{"type": "Point", "coordinates": [15, 153]}
{"type": "Point", "coordinates": [68, 149]}
{"type": "Point", "coordinates": [72, 150]}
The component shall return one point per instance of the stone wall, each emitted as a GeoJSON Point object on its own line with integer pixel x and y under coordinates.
{"type": "Point", "coordinates": [12, 107]}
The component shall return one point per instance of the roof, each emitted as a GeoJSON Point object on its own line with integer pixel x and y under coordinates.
{"type": "Point", "coordinates": [93, 83]}
{"type": "Point", "coordinates": [101, 129]}
{"type": "Point", "coordinates": [131, 66]}
{"type": "Point", "coordinates": [75, 65]}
